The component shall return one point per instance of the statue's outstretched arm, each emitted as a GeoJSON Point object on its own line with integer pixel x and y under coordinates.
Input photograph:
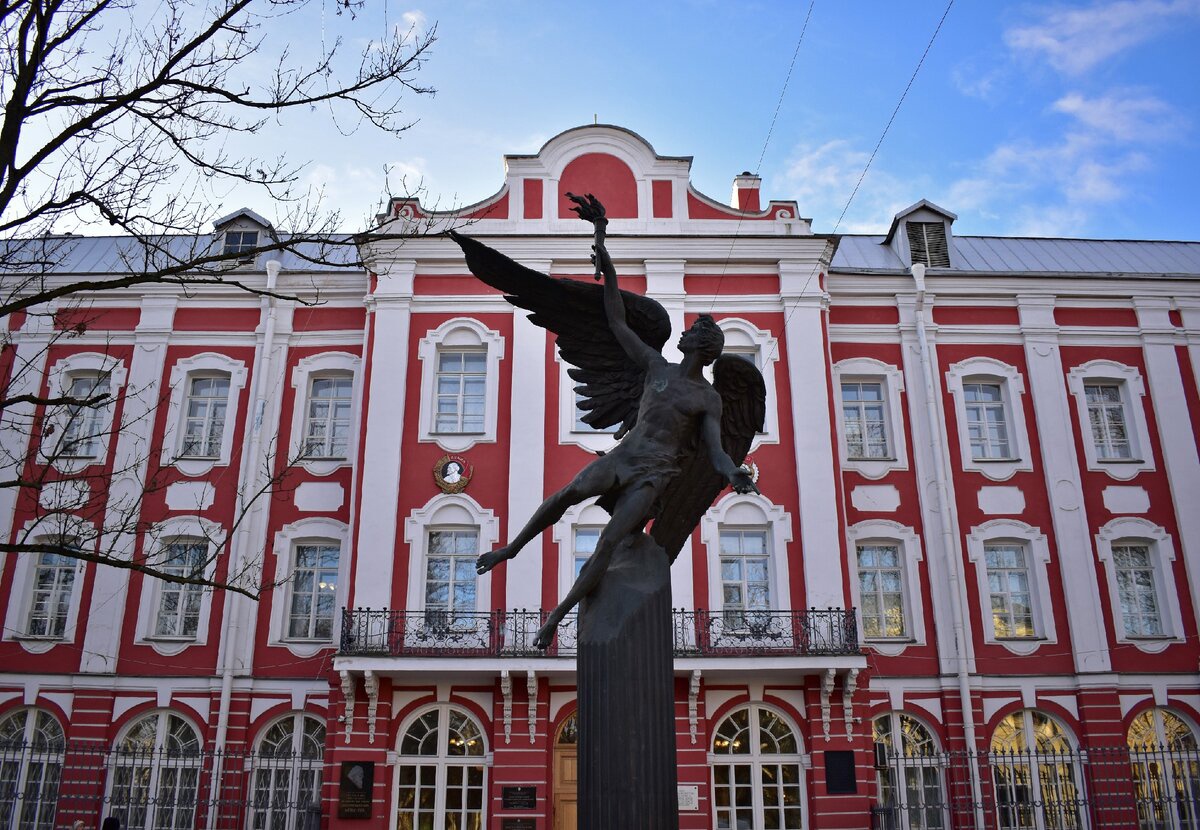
{"type": "Point", "coordinates": [722, 463]}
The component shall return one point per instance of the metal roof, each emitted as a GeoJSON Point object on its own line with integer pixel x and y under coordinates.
{"type": "Point", "coordinates": [1033, 255]}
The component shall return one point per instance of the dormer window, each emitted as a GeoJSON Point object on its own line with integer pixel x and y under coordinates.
{"type": "Point", "coordinates": [241, 242]}
{"type": "Point", "coordinates": [927, 242]}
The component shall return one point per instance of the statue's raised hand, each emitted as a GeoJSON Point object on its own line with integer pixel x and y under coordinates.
{"type": "Point", "coordinates": [742, 481]}
{"type": "Point", "coordinates": [589, 208]}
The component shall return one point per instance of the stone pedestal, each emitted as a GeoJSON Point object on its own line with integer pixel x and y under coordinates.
{"type": "Point", "coordinates": [627, 767]}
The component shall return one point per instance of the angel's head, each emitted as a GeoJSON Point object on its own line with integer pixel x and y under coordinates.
{"type": "Point", "coordinates": [704, 337]}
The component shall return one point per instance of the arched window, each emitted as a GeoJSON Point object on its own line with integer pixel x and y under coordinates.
{"type": "Point", "coordinates": [908, 773]}
{"type": "Point", "coordinates": [1035, 773]}
{"type": "Point", "coordinates": [755, 762]}
{"type": "Point", "coordinates": [31, 758]}
{"type": "Point", "coordinates": [287, 772]}
{"type": "Point", "coordinates": [156, 773]}
{"type": "Point", "coordinates": [442, 768]}
{"type": "Point", "coordinates": [1166, 770]}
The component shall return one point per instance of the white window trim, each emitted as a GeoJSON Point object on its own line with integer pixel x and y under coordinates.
{"type": "Point", "coordinates": [756, 759]}
{"type": "Point", "coordinates": [590, 440]}
{"type": "Point", "coordinates": [1162, 553]}
{"type": "Point", "coordinates": [867, 369]}
{"type": "Point", "coordinates": [586, 514]}
{"type": "Point", "coordinates": [192, 527]}
{"type": "Point", "coordinates": [1037, 549]}
{"type": "Point", "coordinates": [326, 363]}
{"type": "Point", "coordinates": [16, 619]}
{"type": "Point", "coordinates": [181, 374]}
{"type": "Point", "coordinates": [427, 351]}
{"type": "Point", "coordinates": [1013, 388]}
{"type": "Point", "coordinates": [1133, 389]}
{"type": "Point", "coordinates": [315, 528]}
{"type": "Point", "coordinates": [737, 331]}
{"type": "Point", "coordinates": [440, 760]}
{"type": "Point", "coordinates": [448, 510]}
{"type": "Point", "coordinates": [909, 545]}
{"type": "Point", "coordinates": [61, 373]}
{"type": "Point", "coordinates": [737, 511]}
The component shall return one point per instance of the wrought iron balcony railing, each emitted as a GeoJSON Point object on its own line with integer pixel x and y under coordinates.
{"type": "Point", "coordinates": [369, 632]}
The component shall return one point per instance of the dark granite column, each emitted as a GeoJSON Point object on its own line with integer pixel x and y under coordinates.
{"type": "Point", "coordinates": [627, 776]}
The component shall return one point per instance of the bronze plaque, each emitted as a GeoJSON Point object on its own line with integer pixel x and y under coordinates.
{"type": "Point", "coordinates": [519, 798]}
{"type": "Point", "coordinates": [518, 824]}
{"type": "Point", "coordinates": [354, 793]}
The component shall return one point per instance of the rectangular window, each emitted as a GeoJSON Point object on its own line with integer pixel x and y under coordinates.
{"type": "Point", "coordinates": [53, 581]}
{"type": "Point", "coordinates": [580, 426]}
{"type": "Point", "coordinates": [85, 422]}
{"type": "Point", "coordinates": [987, 421]}
{"type": "Point", "coordinates": [864, 416]}
{"type": "Point", "coordinates": [240, 242]}
{"type": "Point", "coordinates": [461, 389]}
{"type": "Point", "coordinates": [204, 417]}
{"type": "Point", "coordinates": [881, 590]}
{"type": "Point", "coordinates": [1009, 587]}
{"type": "Point", "coordinates": [327, 421]}
{"type": "Point", "coordinates": [585, 545]}
{"type": "Point", "coordinates": [1135, 586]}
{"type": "Point", "coordinates": [450, 577]}
{"type": "Point", "coordinates": [1106, 415]}
{"type": "Point", "coordinates": [745, 576]}
{"type": "Point", "coordinates": [314, 592]}
{"type": "Point", "coordinates": [179, 603]}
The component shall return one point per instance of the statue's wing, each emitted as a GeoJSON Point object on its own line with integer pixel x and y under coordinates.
{"type": "Point", "coordinates": [610, 383]}
{"type": "Point", "coordinates": [743, 411]}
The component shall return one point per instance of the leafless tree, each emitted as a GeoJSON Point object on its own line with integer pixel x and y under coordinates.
{"type": "Point", "coordinates": [121, 115]}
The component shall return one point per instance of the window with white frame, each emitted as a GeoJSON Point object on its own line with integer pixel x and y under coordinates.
{"type": "Point", "coordinates": [581, 426]}
{"type": "Point", "coordinates": [1112, 417]}
{"type": "Point", "coordinates": [314, 590]}
{"type": "Point", "coordinates": [287, 772]}
{"type": "Point", "coordinates": [886, 585]}
{"type": "Point", "coordinates": [451, 597]}
{"type": "Point", "coordinates": [1166, 775]}
{"type": "Point", "coordinates": [50, 601]}
{"type": "Point", "coordinates": [871, 427]}
{"type": "Point", "coordinates": [179, 603]}
{"type": "Point", "coordinates": [909, 769]}
{"type": "Point", "coordinates": [1011, 561]}
{"type": "Point", "coordinates": [745, 340]}
{"type": "Point", "coordinates": [1138, 558]}
{"type": "Point", "coordinates": [1035, 773]}
{"type": "Point", "coordinates": [990, 416]}
{"type": "Point", "coordinates": [460, 383]}
{"type": "Point", "coordinates": [585, 539]}
{"type": "Point", "coordinates": [575, 537]}
{"type": "Point", "coordinates": [154, 779]}
{"type": "Point", "coordinates": [442, 771]}
{"type": "Point", "coordinates": [240, 242]}
{"type": "Point", "coordinates": [747, 539]}
{"type": "Point", "coordinates": [757, 767]}
{"type": "Point", "coordinates": [203, 412]}
{"type": "Point", "coordinates": [31, 758]}
{"type": "Point", "coordinates": [78, 433]}
{"type": "Point", "coordinates": [745, 575]}
{"type": "Point", "coordinates": [327, 419]}
{"type": "Point", "coordinates": [445, 537]}
{"type": "Point", "coordinates": [881, 590]}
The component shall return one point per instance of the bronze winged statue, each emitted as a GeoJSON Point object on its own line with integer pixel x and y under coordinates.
{"type": "Point", "coordinates": [682, 439]}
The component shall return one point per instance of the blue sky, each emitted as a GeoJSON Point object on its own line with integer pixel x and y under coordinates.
{"type": "Point", "coordinates": [1049, 119]}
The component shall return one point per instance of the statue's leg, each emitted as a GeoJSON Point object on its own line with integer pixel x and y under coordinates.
{"type": "Point", "coordinates": [594, 479]}
{"type": "Point", "coordinates": [629, 516]}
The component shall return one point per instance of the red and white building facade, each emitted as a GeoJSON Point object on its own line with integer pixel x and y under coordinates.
{"type": "Point", "coordinates": [968, 595]}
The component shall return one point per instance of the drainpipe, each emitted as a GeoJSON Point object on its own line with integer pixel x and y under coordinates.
{"type": "Point", "coordinates": [241, 542]}
{"type": "Point", "coordinates": [953, 561]}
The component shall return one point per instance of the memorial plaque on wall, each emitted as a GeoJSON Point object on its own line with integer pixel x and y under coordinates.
{"type": "Point", "coordinates": [519, 798]}
{"type": "Point", "coordinates": [839, 772]}
{"type": "Point", "coordinates": [354, 792]}
{"type": "Point", "coordinates": [518, 824]}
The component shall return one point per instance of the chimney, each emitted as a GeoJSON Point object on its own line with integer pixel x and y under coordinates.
{"type": "Point", "coordinates": [745, 192]}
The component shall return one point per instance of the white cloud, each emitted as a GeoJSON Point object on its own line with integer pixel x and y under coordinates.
{"type": "Point", "coordinates": [1076, 40]}
{"type": "Point", "coordinates": [1123, 115]}
{"type": "Point", "coordinates": [413, 22]}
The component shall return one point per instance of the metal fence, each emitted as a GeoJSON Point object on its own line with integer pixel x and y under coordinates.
{"type": "Point", "coordinates": [46, 787]}
{"type": "Point", "coordinates": [387, 632]}
{"type": "Point", "coordinates": [1090, 789]}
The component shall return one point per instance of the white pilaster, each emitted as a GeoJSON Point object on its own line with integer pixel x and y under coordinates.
{"type": "Point", "coordinates": [143, 395]}
{"type": "Point", "coordinates": [527, 455]}
{"type": "Point", "coordinates": [375, 549]}
{"type": "Point", "coordinates": [1160, 346]}
{"type": "Point", "coordinates": [805, 304]}
{"type": "Point", "coordinates": [664, 282]}
{"type": "Point", "coordinates": [1064, 487]}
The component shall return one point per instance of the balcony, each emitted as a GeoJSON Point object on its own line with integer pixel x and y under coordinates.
{"type": "Point", "coordinates": [368, 632]}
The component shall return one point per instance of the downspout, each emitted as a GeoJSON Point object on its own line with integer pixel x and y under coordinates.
{"type": "Point", "coordinates": [242, 540]}
{"type": "Point", "coordinates": [962, 670]}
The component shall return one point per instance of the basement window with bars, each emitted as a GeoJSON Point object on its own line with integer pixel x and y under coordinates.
{"type": "Point", "coordinates": [927, 243]}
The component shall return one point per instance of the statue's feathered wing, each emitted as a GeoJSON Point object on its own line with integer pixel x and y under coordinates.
{"type": "Point", "coordinates": [609, 382]}
{"type": "Point", "coordinates": [743, 412]}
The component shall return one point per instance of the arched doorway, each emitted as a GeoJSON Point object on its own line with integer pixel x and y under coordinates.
{"type": "Point", "coordinates": [756, 762]}
{"type": "Point", "coordinates": [441, 772]}
{"type": "Point", "coordinates": [566, 775]}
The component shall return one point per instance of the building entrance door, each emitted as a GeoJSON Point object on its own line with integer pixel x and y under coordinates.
{"type": "Point", "coordinates": [566, 777]}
